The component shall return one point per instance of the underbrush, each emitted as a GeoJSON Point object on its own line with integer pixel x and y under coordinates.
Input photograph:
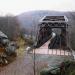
{"type": "Point", "coordinates": [65, 68]}
{"type": "Point", "coordinates": [23, 43]}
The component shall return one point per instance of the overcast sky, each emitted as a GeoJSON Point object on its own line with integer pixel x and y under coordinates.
{"type": "Point", "coordinates": [19, 6]}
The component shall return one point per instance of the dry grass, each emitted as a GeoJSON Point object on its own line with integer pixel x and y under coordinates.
{"type": "Point", "coordinates": [21, 44]}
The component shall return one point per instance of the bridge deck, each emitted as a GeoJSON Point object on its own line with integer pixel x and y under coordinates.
{"type": "Point", "coordinates": [44, 50]}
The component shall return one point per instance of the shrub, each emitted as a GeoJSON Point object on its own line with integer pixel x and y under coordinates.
{"type": "Point", "coordinates": [65, 68]}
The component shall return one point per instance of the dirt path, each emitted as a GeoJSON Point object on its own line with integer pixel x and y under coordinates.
{"type": "Point", "coordinates": [21, 66]}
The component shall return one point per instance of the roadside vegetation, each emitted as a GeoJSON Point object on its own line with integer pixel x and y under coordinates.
{"type": "Point", "coordinates": [22, 44]}
{"type": "Point", "coordinates": [65, 68]}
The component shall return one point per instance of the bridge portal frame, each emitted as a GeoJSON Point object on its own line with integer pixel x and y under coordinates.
{"type": "Point", "coordinates": [47, 24]}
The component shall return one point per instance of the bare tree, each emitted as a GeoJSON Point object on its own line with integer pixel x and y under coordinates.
{"type": "Point", "coordinates": [9, 25]}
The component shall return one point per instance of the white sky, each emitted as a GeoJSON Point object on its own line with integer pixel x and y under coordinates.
{"type": "Point", "coordinates": [19, 6]}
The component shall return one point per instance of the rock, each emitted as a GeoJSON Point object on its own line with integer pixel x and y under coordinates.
{"type": "Point", "coordinates": [11, 48]}
{"type": "Point", "coordinates": [3, 59]}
